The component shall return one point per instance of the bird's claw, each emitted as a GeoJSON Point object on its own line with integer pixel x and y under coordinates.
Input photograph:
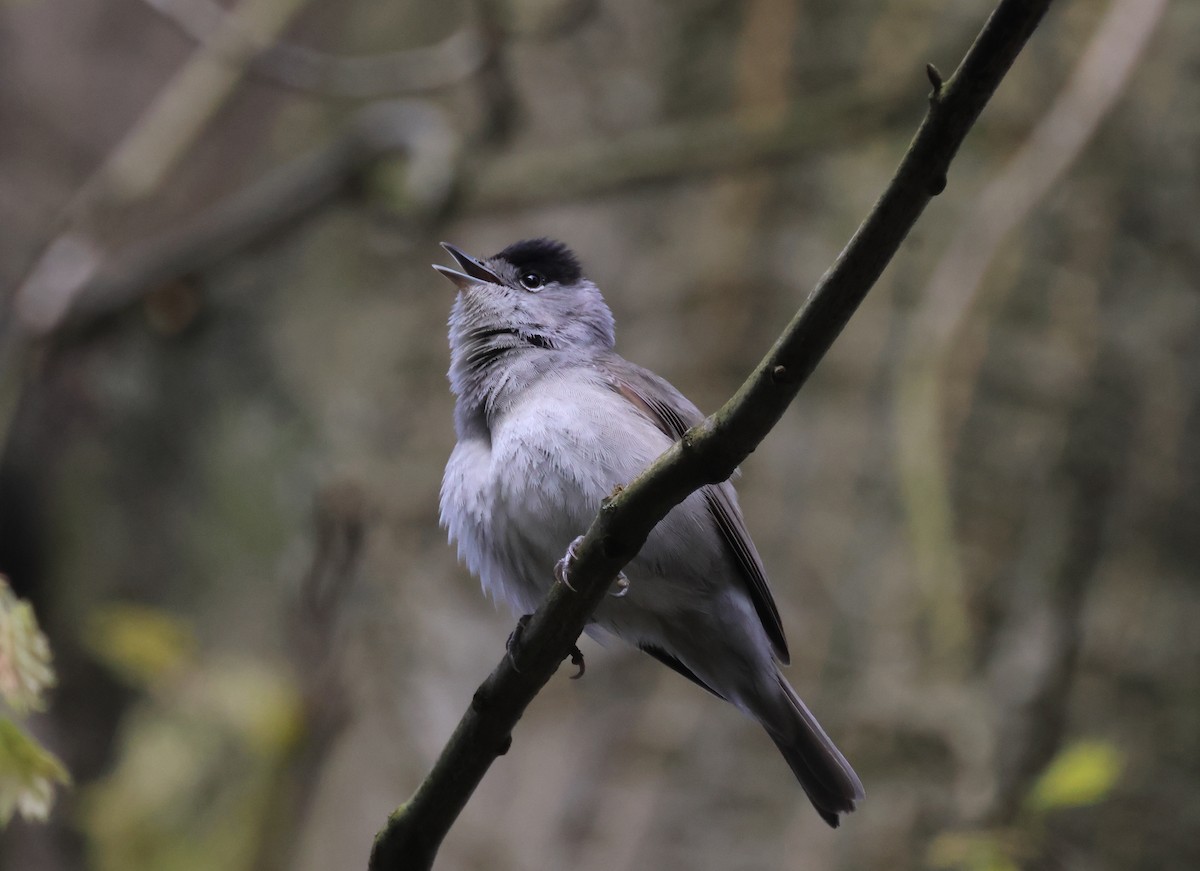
{"type": "Point", "coordinates": [577, 660]}
{"type": "Point", "coordinates": [562, 568]}
{"type": "Point", "coordinates": [562, 573]}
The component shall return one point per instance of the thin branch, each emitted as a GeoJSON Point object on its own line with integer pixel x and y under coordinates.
{"type": "Point", "coordinates": [80, 281]}
{"type": "Point", "coordinates": [388, 74]}
{"type": "Point", "coordinates": [282, 199]}
{"type": "Point", "coordinates": [707, 454]}
{"type": "Point", "coordinates": [317, 640]}
{"type": "Point", "coordinates": [132, 170]}
{"type": "Point", "coordinates": [75, 278]}
{"type": "Point", "coordinates": [75, 281]}
{"type": "Point", "coordinates": [664, 152]}
{"type": "Point", "coordinates": [136, 167]}
{"type": "Point", "coordinates": [186, 104]}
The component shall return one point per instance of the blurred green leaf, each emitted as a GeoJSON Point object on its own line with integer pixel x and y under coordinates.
{"type": "Point", "coordinates": [196, 770]}
{"type": "Point", "coordinates": [972, 851]}
{"type": "Point", "coordinates": [1082, 774]}
{"type": "Point", "coordinates": [141, 644]}
{"type": "Point", "coordinates": [25, 661]}
{"type": "Point", "coordinates": [258, 704]}
{"type": "Point", "coordinates": [28, 773]}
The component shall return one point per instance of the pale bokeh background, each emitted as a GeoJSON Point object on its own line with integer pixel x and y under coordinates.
{"type": "Point", "coordinates": [981, 517]}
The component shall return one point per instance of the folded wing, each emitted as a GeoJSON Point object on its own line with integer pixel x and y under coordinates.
{"type": "Point", "coordinates": [674, 414]}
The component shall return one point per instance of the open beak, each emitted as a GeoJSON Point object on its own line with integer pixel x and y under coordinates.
{"type": "Point", "coordinates": [473, 272]}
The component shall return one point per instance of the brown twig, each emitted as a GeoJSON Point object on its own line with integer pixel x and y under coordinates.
{"type": "Point", "coordinates": [277, 203]}
{"type": "Point", "coordinates": [375, 76]}
{"type": "Point", "coordinates": [665, 152]}
{"type": "Point", "coordinates": [74, 282]}
{"type": "Point", "coordinates": [340, 519]}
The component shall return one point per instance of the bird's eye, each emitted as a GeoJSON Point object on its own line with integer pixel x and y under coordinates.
{"type": "Point", "coordinates": [532, 280]}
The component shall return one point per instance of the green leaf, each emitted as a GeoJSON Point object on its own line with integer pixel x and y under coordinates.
{"type": "Point", "coordinates": [973, 851]}
{"type": "Point", "coordinates": [25, 661]}
{"type": "Point", "coordinates": [141, 644]}
{"type": "Point", "coordinates": [252, 701]}
{"type": "Point", "coordinates": [28, 772]}
{"type": "Point", "coordinates": [197, 771]}
{"type": "Point", "coordinates": [1082, 774]}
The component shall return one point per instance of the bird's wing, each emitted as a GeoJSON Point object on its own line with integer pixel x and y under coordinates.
{"type": "Point", "coordinates": [678, 667]}
{"type": "Point", "coordinates": [674, 414]}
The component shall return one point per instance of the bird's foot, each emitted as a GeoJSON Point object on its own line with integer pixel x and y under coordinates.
{"type": "Point", "coordinates": [562, 568]}
{"type": "Point", "coordinates": [562, 573]}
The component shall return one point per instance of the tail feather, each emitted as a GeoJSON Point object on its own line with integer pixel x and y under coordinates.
{"type": "Point", "coordinates": [827, 778]}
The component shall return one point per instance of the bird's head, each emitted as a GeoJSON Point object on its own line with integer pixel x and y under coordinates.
{"type": "Point", "coordinates": [532, 295]}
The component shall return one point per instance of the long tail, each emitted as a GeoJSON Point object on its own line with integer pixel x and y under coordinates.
{"type": "Point", "coordinates": [827, 778]}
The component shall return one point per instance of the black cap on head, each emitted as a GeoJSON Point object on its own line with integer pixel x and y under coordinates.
{"type": "Point", "coordinates": [551, 258]}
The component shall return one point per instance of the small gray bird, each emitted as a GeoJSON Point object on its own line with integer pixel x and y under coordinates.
{"type": "Point", "coordinates": [550, 420]}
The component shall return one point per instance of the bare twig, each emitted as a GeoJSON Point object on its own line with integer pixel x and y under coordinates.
{"type": "Point", "coordinates": [281, 200]}
{"type": "Point", "coordinates": [341, 517]}
{"type": "Point", "coordinates": [96, 284]}
{"type": "Point", "coordinates": [136, 167]}
{"type": "Point", "coordinates": [665, 152]}
{"type": "Point", "coordinates": [389, 74]}
{"type": "Point", "coordinates": [707, 454]}
{"type": "Point", "coordinates": [186, 103]}
{"type": "Point", "coordinates": [74, 281]}
{"type": "Point", "coordinates": [132, 170]}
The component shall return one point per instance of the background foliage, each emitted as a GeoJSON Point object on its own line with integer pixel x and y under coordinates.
{"type": "Point", "coordinates": [219, 481]}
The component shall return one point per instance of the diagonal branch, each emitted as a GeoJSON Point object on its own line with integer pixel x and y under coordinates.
{"type": "Point", "coordinates": [710, 452]}
{"type": "Point", "coordinates": [75, 281]}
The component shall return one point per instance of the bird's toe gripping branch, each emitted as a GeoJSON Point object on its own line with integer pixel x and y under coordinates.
{"type": "Point", "coordinates": [562, 572]}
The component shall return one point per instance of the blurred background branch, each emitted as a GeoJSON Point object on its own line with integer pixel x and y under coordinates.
{"type": "Point", "coordinates": [184, 106]}
{"type": "Point", "coordinates": [386, 75]}
{"type": "Point", "coordinates": [411, 132]}
{"type": "Point", "coordinates": [979, 520]}
{"type": "Point", "coordinates": [1097, 80]}
{"type": "Point", "coordinates": [316, 631]}
{"type": "Point", "coordinates": [73, 281]}
{"type": "Point", "coordinates": [666, 153]}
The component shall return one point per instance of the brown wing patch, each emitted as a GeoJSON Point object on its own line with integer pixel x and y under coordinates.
{"type": "Point", "coordinates": [733, 529]}
{"type": "Point", "coordinates": [641, 404]}
{"type": "Point", "coordinates": [659, 413]}
{"type": "Point", "coordinates": [726, 516]}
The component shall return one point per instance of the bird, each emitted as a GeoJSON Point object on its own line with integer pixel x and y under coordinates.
{"type": "Point", "coordinates": [550, 420]}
